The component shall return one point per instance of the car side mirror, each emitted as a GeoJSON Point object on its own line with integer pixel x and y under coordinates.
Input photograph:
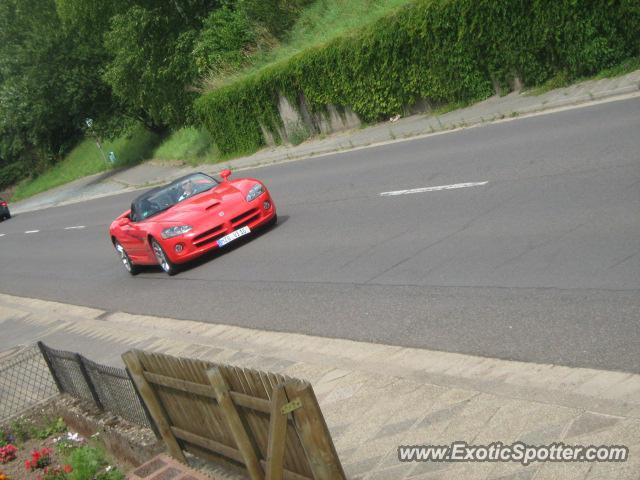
{"type": "Point", "coordinates": [225, 174]}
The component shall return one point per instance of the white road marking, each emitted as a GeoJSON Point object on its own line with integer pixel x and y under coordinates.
{"type": "Point", "coordinates": [32, 231]}
{"type": "Point", "coordinates": [432, 189]}
{"type": "Point", "coordinates": [77, 227]}
{"type": "Point", "coordinates": [2, 234]}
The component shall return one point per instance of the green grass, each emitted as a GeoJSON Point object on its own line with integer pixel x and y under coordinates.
{"type": "Point", "coordinates": [322, 21]}
{"type": "Point", "coordinates": [85, 159]}
{"type": "Point", "coordinates": [188, 145]}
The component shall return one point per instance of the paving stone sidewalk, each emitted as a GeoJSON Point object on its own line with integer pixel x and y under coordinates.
{"type": "Point", "coordinates": [376, 397]}
{"type": "Point", "coordinates": [496, 108]}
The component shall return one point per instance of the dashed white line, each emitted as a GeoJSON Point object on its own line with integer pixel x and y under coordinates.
{"type": "Point", "coordinates": [433, 189]}
{"type": "Point", "coordinates": [32, 231]}
{"type": "Point", "coordinates": [2, 234]}
{"type": "Point", "coordinates": [77, 227]}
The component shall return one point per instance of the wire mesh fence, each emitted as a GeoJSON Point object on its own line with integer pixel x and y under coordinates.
{"type": "Point", "coordinates": [38, 373]}
{"type": "Point", "coordinates": [109, 388]}
{"type": "Point", "coordinates": [116, 392]}
{"type": "Point", "coordinates": [25, 381]}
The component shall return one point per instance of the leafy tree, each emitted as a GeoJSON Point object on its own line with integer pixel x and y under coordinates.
{"type": "Point", "coordinates": [151, 68]}
{"type": "Point", "coordinates": [38, 91]}
{"type": "Point", "coordinates": [226, 39]}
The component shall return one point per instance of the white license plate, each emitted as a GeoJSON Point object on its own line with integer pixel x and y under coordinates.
{"type": "Point", "coordinates": [233, 235]}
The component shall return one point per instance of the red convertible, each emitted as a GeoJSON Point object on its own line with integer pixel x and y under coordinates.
{"type": "Point", "coordinates": [173, 224]}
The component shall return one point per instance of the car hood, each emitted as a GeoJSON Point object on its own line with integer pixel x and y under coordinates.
{"type": "Point", "coordinates": [206, 203]}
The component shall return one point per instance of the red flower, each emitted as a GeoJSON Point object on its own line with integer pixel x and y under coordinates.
{"type": "Point", "coordinates": [27, 464]}
{"type": "Point", "coordinates": [68, 469]}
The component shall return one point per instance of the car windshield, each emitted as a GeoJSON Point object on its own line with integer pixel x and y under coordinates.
{"type": "Point", "coordinates": [160, 199]}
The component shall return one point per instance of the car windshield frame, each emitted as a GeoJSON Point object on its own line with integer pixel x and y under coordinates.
{"type": "Point", "coordinates": [160, 199]}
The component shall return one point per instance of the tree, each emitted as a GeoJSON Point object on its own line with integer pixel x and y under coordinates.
{"type": "Point", "coordinates": [151, 68]}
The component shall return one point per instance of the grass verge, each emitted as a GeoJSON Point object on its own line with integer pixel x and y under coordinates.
{"type": "Point", "coordinates": [188, 145]}
{"type": "Point", "coordinates": [85, 159]}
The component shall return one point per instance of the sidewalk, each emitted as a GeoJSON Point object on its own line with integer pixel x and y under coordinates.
{"type": "Point", "coordinates": [491, 110]}
{"type": "Point", "coordinates": [376, 397]}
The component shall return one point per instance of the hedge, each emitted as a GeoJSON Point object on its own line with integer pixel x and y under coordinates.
{"type": "Point", "coordinates": [12, 173]}
{"type": "Point", "coordinates": [440, 51]}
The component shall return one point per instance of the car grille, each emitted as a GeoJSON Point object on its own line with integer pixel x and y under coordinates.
{"type": "Point", "coordinates": [209, 236]}
{"type": "Point", "coordinates": [245, 218]}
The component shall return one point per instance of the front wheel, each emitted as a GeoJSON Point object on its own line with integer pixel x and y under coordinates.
{"type": "Point", "coordinates": [167, 265]}
{"type": "Point", "coordinates": [124, 258]}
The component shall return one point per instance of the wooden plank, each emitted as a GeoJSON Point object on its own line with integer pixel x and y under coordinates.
{"type": "Point", "coordinates": [209, 444]}
{"type": "Point", "coordinates": [277, 435]}
{"type": "Point", "coordinates": [314, 434]}
{"type": "Point", "coordinates": [295, 456]}
{"type": "Point", "coordinates": [235, 424]}
{"type": "Point", "coordinates": [253, 403]}
{"type": "Point", "coordinates": [183, 385]}
{"type": "Point", "coordinates": [154, 405]}
{"type": "Point", "coordinates": [240, 399]}
{"type": "Point", "coordinates": [259, 423]}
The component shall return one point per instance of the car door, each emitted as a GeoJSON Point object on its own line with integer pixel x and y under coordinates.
{"type": "Point", "coordinates": [134, 241]}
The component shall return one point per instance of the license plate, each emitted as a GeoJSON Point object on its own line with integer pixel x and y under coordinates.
{"type": "Point", "coordinates": [233, 235]}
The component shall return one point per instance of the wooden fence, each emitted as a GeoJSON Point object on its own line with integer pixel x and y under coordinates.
{"type": "Point", "coordinates": [270, 424]}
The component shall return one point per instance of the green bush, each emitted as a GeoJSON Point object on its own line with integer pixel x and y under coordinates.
{"type": "Point", "coordinates": [12, 173]}
{"type": "Point", "coordinates": [90, 463]}
{"type": "Point", "coordinates": [441, 51]}
{"type": "Point", "coordinates": [221, 43]}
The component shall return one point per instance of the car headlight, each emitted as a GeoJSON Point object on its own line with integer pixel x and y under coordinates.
{"type": "Point", "coordinates": [255, 192]}
{"type": "Point", "coordinates": [175, 231]}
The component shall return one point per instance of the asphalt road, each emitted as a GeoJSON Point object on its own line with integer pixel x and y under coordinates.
{"type": "Point", "coordinates": [541, 263]}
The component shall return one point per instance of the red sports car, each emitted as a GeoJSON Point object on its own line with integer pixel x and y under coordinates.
{"type": "Point", "coordinates": [173, 224]}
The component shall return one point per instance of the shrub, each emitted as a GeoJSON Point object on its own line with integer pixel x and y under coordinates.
{"type": "Point", "coordinates": [221, 44]}
{"type": "Point", "coordinates": [441, 51]}
{"type": "Point", "coordinates": [12, 173]}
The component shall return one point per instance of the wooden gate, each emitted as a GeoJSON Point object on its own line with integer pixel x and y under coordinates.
{"type": "Point", "coordinates": [268, 423]}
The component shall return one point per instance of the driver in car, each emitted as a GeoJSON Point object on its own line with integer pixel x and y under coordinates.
{"type": "Point", "coordinates": [188, 189]}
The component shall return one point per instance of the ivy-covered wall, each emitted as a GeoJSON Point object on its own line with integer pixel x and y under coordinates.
{"type": "Point", "coordinates": [440, 51]}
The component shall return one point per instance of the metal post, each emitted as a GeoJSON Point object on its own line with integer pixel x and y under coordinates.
{"type": "Point", "coordinates": [54, 375]}
{"type": "Point", "coordinates": [88, 381]}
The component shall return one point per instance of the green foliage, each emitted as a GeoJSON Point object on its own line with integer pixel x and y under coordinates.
{"type": "Point", "coordinates": [12, 173]}
{"type": "Point", "coordinates": [151, 68]}
{"type": "Point", "coordinates": [25, 428]}
{"type": "Point", "coordinates": [275, 16]}
{"type": "Point", "coordinates": [224, 41]}
{"type": "Point", "coordinates": [50, 427]}
{"type": "Point", "coordinates": [189, 144]}
{"type": "Point", "coordinates": [110, 475]}
{"type": "Point", "coordinates": [298, 133]}
{"type": "Point", "coordinates": [90, 463]}
{"type": "Point", "coordinates": [438, 51]}
{"type": "Point", "coordinates": [48, 84]}
{"type": "Point", "coordinates": [86, 462]}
